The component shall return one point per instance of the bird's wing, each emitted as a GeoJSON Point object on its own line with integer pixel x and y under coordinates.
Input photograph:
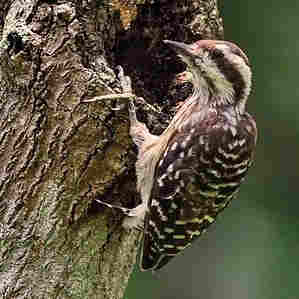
{"type": "Point", "coordinates": [195, 179]}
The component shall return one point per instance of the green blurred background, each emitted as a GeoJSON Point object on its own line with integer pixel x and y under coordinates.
{"type": "Point", "coordinates": [253, 250]}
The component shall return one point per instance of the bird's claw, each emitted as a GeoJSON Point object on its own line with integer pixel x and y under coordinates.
{"type": "Point", "coordinates": [126, 86]}
{"type": "Point", "coordinates": [125, 81]}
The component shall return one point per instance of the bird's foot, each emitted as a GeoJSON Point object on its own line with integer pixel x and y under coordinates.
{"type": "Point", "coordinates": [134, 217]}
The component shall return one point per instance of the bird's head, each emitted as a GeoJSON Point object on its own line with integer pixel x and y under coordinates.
{"type": "Point", "coordinates": [219, 66]}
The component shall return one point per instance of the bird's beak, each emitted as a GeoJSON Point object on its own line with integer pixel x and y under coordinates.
{"type": "Point", "coordinates": [180, 48]}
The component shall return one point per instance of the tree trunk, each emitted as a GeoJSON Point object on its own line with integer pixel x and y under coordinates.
{"type": "Point", "coordinates": [58, 154]}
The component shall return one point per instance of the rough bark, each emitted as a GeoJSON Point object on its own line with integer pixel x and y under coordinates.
{"type": "Point", "coordinates": [58, 154]}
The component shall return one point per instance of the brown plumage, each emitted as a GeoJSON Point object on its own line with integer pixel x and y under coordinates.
{"type": "Point", "coordinates": [194, 169]}
{"type": "Point", "coordinates": [191, 172]}
{"type": "Point", "coordinates": [199, 174]}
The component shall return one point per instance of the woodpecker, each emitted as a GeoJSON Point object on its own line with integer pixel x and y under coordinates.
{"type": "Point", "coordinates": [192, 171]}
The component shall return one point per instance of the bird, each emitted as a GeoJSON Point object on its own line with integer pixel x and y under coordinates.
{"type": "Point", "coordinates": [190, 173]}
